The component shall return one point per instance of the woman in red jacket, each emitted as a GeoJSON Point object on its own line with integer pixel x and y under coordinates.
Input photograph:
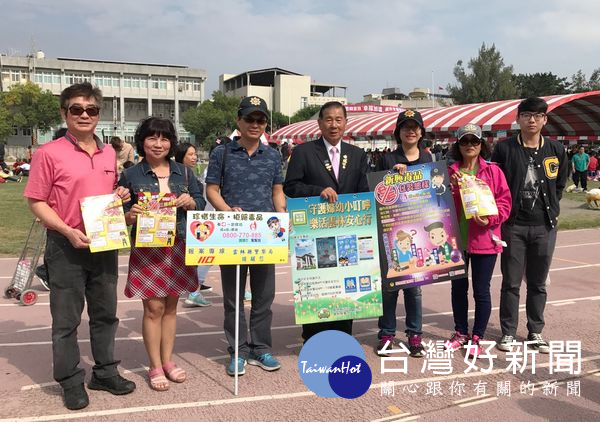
{"type": "Point", "coordinates": [480, 235]}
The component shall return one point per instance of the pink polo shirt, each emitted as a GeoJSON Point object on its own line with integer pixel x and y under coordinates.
{"type": "Point", "coordinates": [62, 173]}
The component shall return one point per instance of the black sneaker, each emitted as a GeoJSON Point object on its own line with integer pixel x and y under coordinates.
{"type": "Point", "coordinates": [506, 343]}
{"type": "Point", "coordinates": [415, 346]}
{"type": "Point", "coordinates": [76, 397]}
{"type": "Point", "coordinates": [539, 343]}
{"type": "Point", "coordinates": [205, 288]}
{"type": "Point", "coordinates": [116, 385]}
{"type": "Point", "coordinates": [42, 274]}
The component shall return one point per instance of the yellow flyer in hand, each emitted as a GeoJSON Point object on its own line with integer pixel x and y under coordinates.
{"type": "Point", "coordinates": [477, 197]}
{"type": "Point", "coordinates": [104, 222]}
{"type": "Point", "coordinates": [156, 226]}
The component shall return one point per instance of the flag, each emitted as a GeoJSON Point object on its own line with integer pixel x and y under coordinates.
{"type": "Point", "coordinates": [441, 88]}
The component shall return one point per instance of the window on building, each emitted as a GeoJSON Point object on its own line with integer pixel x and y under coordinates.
{"type": "Point", "coordinates": [38, 78]}
{"type": "Point", "coordinates": [162, 84]}
{"type": "Point", "coordinates": [155, 83]}
{"type": "Point", "coordinates": [127, 81]}
{"type": "Point", "coordinates": [56, 78]}
{"type": "Point", "coordinates": [77, 78]}
{"type": "Point", "coordinates": [26, 131]}
{"type": "Point", "coordinates": [197, 85]}
{"type": "Point", "coordinates": [143, 83]}
{"type": "Point", "coordinates": [15, 75]}
{"type": "Point", "coordinates": [15, 131]}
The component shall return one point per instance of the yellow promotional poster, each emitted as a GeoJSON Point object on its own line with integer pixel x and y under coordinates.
{"type": "Point", "coordinates": [104, 222]}
{"type": "Point", "coordinates": [232, 238]}
{"type": "Point", "coordinates": [156, 225]}
{"type": "Point", "coordinates": [477, 198]}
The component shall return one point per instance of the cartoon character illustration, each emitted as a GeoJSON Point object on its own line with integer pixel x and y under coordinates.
{"type": "Point", "coordinates": [123, 238]}
{"type": "Point", "coordinates": [438, 237]}
{"type": "Point", "coordinates": [437, 183]}
{"type": "Point", "coordinates": [275, 226]}
{"type": "Point", "coordinates": [402, 246]}
{"type": "Point", "coordinates": [343, 261]}
{"type": "Point", "coordinates": [203, 231]}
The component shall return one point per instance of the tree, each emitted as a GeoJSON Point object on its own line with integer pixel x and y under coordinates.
{"type": "Point", "coordinates": [212, 118]}
{"type": "Point", "coordinates": [5, 121]}
{"type": "Point", "coordinates": [578, 82]}
{"type": "Point", "coordinates": [279, 120]}
{"type": "Point", "coordinates": [540, 84]}
{"type": "Point", "coordinates": [31, 107]}
{"type": "Point", "coordinates": [594, 82]}
{"type": "Point", "coordinates": [489, 79]}
{"type": "Point", "coordinates": [305, 113]}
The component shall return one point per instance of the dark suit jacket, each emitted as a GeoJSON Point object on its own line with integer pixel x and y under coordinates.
{"type": "Point", "coordinates": [307, 173]}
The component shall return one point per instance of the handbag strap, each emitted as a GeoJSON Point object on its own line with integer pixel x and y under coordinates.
{"type": "Point", "coordinates": [222, 181]}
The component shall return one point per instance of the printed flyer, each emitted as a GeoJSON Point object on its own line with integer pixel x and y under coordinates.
{"type": "Point", "coordinates": [104, 222]}
{"type": "Point", "coordinates": [335, 265]}
{"type": "Point", "coordinates": [418, 229]}
{"type": "Point", "coordinates": [477, 197]}
{"type": "Point", "coordinates": [156, 225]}
{"type": "Point", "coordinates": [231, 238]}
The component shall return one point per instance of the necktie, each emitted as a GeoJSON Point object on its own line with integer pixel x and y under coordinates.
{"type": "Point", "coordinates": [335, 161]}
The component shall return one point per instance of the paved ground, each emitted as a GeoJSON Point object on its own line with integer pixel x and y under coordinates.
{"type": "Point", "coordinates": [572, 314]}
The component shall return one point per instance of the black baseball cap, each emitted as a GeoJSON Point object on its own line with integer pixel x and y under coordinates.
{"type": "Point", "coordinates": [249, 105]}
{"type": "Point", "coordinates": [405, 116]}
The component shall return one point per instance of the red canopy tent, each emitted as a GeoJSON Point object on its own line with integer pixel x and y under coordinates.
{"type": "Point", "coordinates": [572, 116]}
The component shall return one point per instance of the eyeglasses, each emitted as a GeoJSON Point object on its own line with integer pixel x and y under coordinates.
{"type": "Point", "coordinates": [251, 120]}
{"type": "Point", "coordinates": [77, 110]}
{"type": "Point", "coordinates": [463, 142]}
{"type": "Point", "coordinates": [536, 116]}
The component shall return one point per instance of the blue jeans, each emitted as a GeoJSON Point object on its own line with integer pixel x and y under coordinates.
{"type": "Point", "coordinates": [482, 268]}
{"type": "Point", "coordinates": [413, 308]}
{"type": "Point", "coordinates": [202, 271]}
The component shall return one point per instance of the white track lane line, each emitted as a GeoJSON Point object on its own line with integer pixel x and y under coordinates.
{"type": "Point", "coordinates": [188, 405]}
{"type": "Point", "coordinates": [476, 402]}
{"type": "Point", "coordinates": [285, 327]}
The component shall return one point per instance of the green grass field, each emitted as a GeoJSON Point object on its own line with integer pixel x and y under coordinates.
{"type": "Point", "coordinates": [16, 218]}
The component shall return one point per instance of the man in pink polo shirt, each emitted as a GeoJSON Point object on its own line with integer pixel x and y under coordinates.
{"type": "Point", "coordinates": [62, 173]}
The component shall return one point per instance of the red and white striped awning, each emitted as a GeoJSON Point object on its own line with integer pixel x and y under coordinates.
{"type": "Point", "coordinates": [568, 115]}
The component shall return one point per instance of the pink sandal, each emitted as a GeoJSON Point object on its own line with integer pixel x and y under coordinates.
{"type": "Point", "coordinates": [158, 381]}
{"type": "Point", "coordinates": [173, 372]}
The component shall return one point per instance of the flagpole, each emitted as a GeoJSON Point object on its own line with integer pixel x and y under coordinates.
{"type": "Point", "coordinates": [432, 91]}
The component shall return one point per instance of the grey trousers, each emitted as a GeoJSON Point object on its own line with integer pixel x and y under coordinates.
{"type": "Point", "coordinates": [262, 287]}
{"type": "Point", "coordinates": [76, 276]}
{"type": "Point", "coordinates": [529, 252]}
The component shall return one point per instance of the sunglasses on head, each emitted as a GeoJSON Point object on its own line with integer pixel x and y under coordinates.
{"type": "Point", "coordinates": [463, 142]}
{"type": "Point", "coordinates": [77, 110]}
{"type": "Point", "coordinates": [250, 120]}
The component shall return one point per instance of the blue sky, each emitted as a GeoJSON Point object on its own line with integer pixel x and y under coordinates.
{"type": "Point", "coordinates": [366, 45]}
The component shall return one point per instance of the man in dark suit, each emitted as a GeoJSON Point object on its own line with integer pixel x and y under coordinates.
{"type": "Point", "coordinates": [327, 167]}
